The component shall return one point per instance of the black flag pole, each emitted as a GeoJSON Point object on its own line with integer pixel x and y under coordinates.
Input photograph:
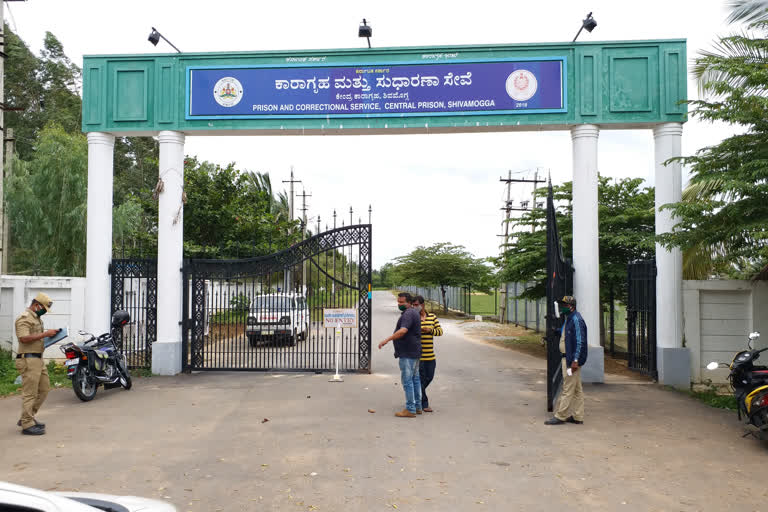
{"type": "Point", "coordinates": [559, 283]}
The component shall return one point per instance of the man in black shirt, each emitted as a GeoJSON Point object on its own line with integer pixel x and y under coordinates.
{"type": "Point", "coordinates": [407, 338]}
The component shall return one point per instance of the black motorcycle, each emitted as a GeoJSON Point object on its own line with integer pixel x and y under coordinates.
{"type": "Point", "coordinates": [98, 361]}
{"type": "Point", "coordinates": [749, 383]}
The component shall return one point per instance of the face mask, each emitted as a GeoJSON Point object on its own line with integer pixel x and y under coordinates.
{"type": "Point", "coordinates": [565, 310]}
{"type": "Point", "coordinates": [40, 312]}
{"type": "Point", "coordinates": [417, 308]}
{"type": "Point", "coordinates": [402, 307]}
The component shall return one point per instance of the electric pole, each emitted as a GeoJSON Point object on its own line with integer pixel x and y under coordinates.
{"type": "Point", "coordinates": [304, 209]}
{"type": "Point", "coordinates": [3, 250]}
{"type": "Point", "coordinates": [509, 208]}
{"type": "Point", "coordinates": [507, 205]}
{"type": "Point", "coordinates": [290, 196]}
{"type": "Point", "coordinates": [4, 223]}
{"type": "Point", "coordinates": [288, 280]}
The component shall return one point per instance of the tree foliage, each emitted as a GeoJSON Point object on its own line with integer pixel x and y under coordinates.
{"type": "Point", "coordinates": [442, 264]}
{"type": "Point", "coordinates": [46, 89]}
{"type": "Point", "coordinates": [47, 198]}
{"type": "Point", "coordinates": [626, 231]}
{"type": "Point", "coordinates": [722, 219]}
{"type": "Point", "coordinates": [384, 276]}
{"type": "Point", "coordinates": [229, 215]}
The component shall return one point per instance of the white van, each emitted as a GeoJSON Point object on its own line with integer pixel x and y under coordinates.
{"type": "Point", "coordinates": [277, 317]}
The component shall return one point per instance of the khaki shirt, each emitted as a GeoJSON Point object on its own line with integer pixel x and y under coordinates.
{"type": "Point", "coordinates": [29, 323]}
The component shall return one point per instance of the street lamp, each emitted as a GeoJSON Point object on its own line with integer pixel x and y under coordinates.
{"type": "Point", "coordinates": [365, 31]}
{"type": "Point", "coordinates": [588, 23]}
{"type": "Point", "coordinates": [155, 36]}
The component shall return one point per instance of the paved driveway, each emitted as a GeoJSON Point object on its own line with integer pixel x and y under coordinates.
{"type": "Point", "coordinates": [201, 441]}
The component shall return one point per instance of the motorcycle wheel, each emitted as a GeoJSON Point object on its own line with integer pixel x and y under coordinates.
{"type": "Point", "coordinates": [84, 390]}
{"type": "Point", "coordinates": [125, 375]}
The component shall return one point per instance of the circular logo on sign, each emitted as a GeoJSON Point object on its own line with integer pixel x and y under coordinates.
{"type": "Point", "coordinates": [228, 91]}
{"type": "Point", "coordinates": [521, 85]}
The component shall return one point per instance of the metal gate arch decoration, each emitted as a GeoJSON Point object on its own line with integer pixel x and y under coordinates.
{"type": "Point", "coordinates": [222, 297]}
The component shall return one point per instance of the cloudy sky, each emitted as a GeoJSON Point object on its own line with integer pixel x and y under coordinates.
{"type": "Point", "coordinates": [444, 187]}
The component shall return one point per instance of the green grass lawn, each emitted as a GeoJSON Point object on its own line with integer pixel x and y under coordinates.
{"type": "Point", "coordinates": [56, 372]}
{"type": "Point", "coordinates": [485, 304]}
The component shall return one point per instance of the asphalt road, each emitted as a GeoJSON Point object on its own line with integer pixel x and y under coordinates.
{"type": "Point", "coordinates": [201, 441]}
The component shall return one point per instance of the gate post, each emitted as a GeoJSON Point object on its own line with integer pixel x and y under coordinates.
{"type": "Point", "coordinates": [166, 352]}
{"type": "Point", "coordinates": [99, 231]}
{"type": "Point", "coordinates": [586, 277]}
{"type": "Point", "coordinates": [673, 360]}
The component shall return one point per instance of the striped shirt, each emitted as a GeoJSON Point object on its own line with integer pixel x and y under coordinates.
{"type": "Point", "coordinates": [427, 342]}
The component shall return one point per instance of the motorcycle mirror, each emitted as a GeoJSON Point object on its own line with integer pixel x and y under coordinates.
{"type": "Point", "coordinates": [713, 365]}
{"type": "Point", "coordinates": [754, 335]}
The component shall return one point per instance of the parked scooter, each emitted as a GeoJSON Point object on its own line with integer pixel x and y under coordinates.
{"type": "Point", "coordinates": [98, 361]}
{"type": "Point", "coordinates": [749, 384]}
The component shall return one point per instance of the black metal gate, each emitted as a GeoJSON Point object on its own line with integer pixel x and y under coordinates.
{"type": "Point", "coordinates": [641, 317]}
{"type": "Point", "coordinates": [559, 284]}
{"type": "Point", "coordinates": [266, 313]}
{"type": "Point", "coordinates": [134, 289]}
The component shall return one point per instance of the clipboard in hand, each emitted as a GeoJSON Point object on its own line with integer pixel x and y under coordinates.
{"type": "Point", "coordinates": [63, 333]}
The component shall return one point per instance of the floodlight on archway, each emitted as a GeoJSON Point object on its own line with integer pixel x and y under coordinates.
{"type": "Point", "coordinates": [588, 23]}
{"type": "Point", "coordinates": [155, 36]}
{"type": "Point", "coordinates": [365, 31]}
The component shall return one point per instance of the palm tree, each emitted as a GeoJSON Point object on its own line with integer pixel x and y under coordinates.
{"type": "Point", "coordinates": [279, 205]}
{"type": "Point", "coordinates": [747, 11]}
{"type": "Point", "coordinates": [715, 66]}
{"type": "Point", "coordinates": [713, 70]}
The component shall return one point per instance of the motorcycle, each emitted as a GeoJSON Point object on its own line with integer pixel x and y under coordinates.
{"type": "Point", "coordinates": [98, 361]}
{"type": "Point", "coordinates": [749, 384]}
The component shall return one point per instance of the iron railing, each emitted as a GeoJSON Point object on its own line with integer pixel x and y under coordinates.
{"type": "Point", "coordinates": [134, 289]}
{"type": "Point", "coordinates": [641, 317]}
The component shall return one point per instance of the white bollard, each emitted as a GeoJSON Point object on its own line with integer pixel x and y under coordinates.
{"type": "Point", "coordinates": [337, 339]}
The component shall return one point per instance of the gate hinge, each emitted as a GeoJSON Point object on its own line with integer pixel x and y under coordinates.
{"type": "Point", "coordinates": [109, 268]}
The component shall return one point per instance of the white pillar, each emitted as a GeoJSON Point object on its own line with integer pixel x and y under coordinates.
{"type": "Point", "coordinates": [672, 364]}
{"type": "Point", "coordinates": [99, 231]}
{"type": "Point", "coordinates": [166, 351]}
{"type": "Point", "coordinates": [586, 254]}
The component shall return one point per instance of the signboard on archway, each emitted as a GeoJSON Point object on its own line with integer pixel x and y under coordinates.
{"type": "Point", "coordinates": [376, 90]}
{"type": "Point", "coordinates": [388, 90]}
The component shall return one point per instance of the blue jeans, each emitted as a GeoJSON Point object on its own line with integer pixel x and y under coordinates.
{"type": "Point", "coordinates": [409, 376]}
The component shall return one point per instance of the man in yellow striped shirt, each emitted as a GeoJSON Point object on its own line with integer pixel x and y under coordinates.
{"type": "Point", "coordinates": [430, 327]}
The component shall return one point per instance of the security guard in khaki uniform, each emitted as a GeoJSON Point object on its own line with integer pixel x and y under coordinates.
{"type": "Point", "coordinates": [30, 364]}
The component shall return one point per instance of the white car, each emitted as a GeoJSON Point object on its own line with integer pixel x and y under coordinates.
{"type": "Point", "coordinates": [17, 498]}
{"type": "Point", "coordinates": [277, 317]}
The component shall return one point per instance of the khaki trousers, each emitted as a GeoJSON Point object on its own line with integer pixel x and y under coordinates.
{"type": "Point", "coordinates": [35, 385]}
{"type": "Point", "coordinates": [571, 401]}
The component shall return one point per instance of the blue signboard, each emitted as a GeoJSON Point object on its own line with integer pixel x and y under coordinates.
{"type": "Point", "coordinates": [377, 90]}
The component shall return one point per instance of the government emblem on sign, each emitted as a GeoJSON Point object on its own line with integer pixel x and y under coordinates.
{"type": "Point", "coordinates": [228, 91]}
{"type": "Point", "coordinates": [521, 85]}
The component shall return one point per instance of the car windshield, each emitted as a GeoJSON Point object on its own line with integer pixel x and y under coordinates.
{"type": "Point", "coordinates": [272, 303]}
